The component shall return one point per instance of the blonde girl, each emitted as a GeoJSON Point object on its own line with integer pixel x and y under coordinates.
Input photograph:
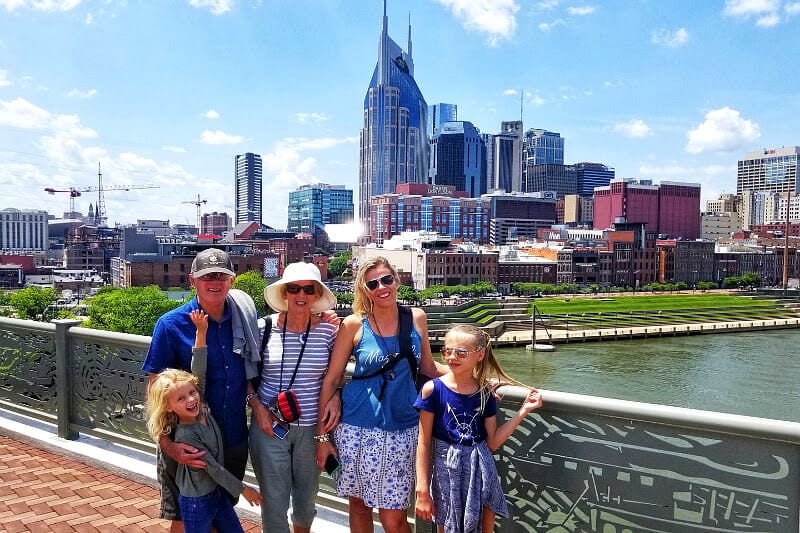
{"type": "Point", "coordinates": [458, 427]}
{"type": "Point", "coordinates": [174, 406]}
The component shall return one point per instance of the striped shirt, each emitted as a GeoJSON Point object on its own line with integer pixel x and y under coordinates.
{"type": "Point", "coordinates": [310, 373]}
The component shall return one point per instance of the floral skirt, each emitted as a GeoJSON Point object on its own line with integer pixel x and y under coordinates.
{"type": "Point", "coordinates": [377, 465]}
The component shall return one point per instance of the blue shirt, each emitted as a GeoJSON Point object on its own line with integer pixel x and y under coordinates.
{"type": "Point", "coordinates": [226, 386]}
{"type": "Point", "coordinates": [457, 418]}
{"type": "Point", "coordinates": [360, 404]}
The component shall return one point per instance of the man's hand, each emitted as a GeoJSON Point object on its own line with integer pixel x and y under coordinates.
{"type": "Point", "coordinates": [184, 454]}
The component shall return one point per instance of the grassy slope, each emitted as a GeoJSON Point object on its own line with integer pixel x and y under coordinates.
{"type": "Point", "coordinates": [619, 304]}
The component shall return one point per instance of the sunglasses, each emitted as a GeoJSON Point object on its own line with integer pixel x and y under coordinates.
{"type": "Point", "coordinates": [460, 353]}
{"type": "Point", "coordinates": [295, 289]}
{"type": "Point", "coordinates": [386, 281]}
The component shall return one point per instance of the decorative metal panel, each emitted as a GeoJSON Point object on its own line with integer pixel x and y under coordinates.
{"type": "Point", "coordinates": [109, 387]}
{"type": "Point", "coordinates": [573, 472]}
{"type": "Point", "coordinates": [27, 368]}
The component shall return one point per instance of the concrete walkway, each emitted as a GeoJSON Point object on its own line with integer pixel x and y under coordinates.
{"type": "Point", "coordinates": [49, 484]}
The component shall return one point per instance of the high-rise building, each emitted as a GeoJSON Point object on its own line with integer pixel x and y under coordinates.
{"type": "Point", "coordinates": [542, 147]}
{"type": "Point", "coordinates": [394, 139]}
{"type": "Point", "coordinates": [591, 175]}
{"type": "Point", "coordinates": [550, 177]}
{"type": "Point", "coordinates": [23, 230]}
{"type": "Point", "coordinates": [505, 174]}
{"type": "Point", "coordinates": [438, 114]}
{"type": "Point", "coordinates": [312, 207]}
{"type": "Point", "coordinates": [772, 170]}
{"type": "Point", "coordinates": [457, 158]}
{"type": "Point", "coordinates": [248, 188]}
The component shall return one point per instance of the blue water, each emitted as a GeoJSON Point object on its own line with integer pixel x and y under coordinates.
{"type": "Point", "coordinates": [754, 373]}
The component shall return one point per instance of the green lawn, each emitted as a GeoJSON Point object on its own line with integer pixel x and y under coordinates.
{"type": "Point", "coordinates": [620, 304]}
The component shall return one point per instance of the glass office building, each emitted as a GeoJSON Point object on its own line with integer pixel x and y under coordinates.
{"type": "Point", "coordinates": [773, 170]}
{"type": "Point", "coordinates": [394, 138]}
{"type": "Point", "coordinates": [457, 158]}
{"type": "Point", "coordinates": [591, 175]}
{"type": "Point", "coordinates": [439, 114]}
{"type": "Point", "coordinates": [312, 207]}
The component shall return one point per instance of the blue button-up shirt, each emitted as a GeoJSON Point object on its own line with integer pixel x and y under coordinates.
{"type": "Point", "coordinates": [226, 385]}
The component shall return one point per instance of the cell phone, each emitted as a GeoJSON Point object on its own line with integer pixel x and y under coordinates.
{"type": "Point", "coordinates": [280, 430]}
{"type": "Point", "coordinates": [332, 465]}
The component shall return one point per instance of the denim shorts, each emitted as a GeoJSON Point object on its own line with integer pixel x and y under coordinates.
{"type": "Point", "coordinates": [215, 509]}
{"type": "Point", "coordinates": [166, 467]}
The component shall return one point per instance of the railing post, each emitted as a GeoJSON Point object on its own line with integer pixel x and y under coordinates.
{"type": "Point", "coordinates": [64, 378]}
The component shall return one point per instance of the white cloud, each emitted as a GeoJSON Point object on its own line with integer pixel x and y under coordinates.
{"type": "Point", "coordinates": [40, 5]}
{"type": "Point", "coordinates": [635, 129]}
{"type": "Point", "coordinates": [174, 149]}
{"type": "Point", "coordinates": [748, 8]}
{"type": "Point", "coordinates": [212, 114]}
{"type": "Point", "coordinates": [767, 13]}
{"type": "Point", "coordinates": [83, 95]}
{"type": "Point", "coordinates": [19, 113]}
{"type": "Point", "coordinates": [216, 7]}
{"type": "Point", "coordinates": [312, 118]}
{"type": "Point", "coordinates": [723, 130]}
{"type": "Point", "coordinates": [89, 20]}
{"type": "Point", "coordinates": [548, 4]}
{"type": "Point", "coordinates": [547, 26]}
{"type": "Point", "coordinates": [580, 11]}
{"type": "Point", "coordinates": [496, 18]}
{"type": "Point", "coordinates": [535, 99]}
{"type": "Point", "coordinates": [4, 81]}
{"type": "Point", "coordinates": [302, 143]}
{"type": "Point", "coordinates": [672, 39]}
{"type": "Point", "coordinates": [510, 92]}
{"type": "Point", "coordinates": [220, 137]}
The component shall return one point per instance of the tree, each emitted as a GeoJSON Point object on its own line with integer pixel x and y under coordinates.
{"type": "Point", "coordinates": [253, 283]}
{"type": "Point", "coordinates": [132, 310]}
{"type": "Point", "coordinates": [32, 302]}
{"type": "Point", "coordinates": [339, 264]}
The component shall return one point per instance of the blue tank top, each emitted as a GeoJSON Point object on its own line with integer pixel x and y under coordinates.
{"type": "Point", "coordinates": [360, 404]}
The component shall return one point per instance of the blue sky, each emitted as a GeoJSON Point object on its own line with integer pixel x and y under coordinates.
{"type": "Point", "coordinates": [167, 92]}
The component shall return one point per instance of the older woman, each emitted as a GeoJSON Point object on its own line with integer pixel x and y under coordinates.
{"type": "Point", "coordinates": [378, 434]}
{"type": "Point", "coordinates": [296, 358]}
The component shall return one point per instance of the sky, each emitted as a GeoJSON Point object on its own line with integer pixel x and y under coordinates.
{"type": "Point", "coordinates": [166, 93]}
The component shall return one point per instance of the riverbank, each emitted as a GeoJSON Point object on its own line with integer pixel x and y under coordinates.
{"type": "Point", "coordinates": [517, 338]}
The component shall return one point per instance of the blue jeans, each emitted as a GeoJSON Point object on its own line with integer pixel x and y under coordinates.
{"type": "Point", "coordinates": [213, 509]}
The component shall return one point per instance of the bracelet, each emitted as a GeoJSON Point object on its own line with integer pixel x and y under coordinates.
{"type": "Point", "coordinates": [249, 397]}
{"type": "Point", "coordinates": [325, 437]}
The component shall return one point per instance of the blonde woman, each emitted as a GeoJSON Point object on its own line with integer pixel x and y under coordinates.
{"type": "Point", "coordinates": [377, 436]}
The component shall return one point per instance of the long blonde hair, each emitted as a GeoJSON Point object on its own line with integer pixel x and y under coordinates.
{"type": "Point", "coordinates": [362, 303]}
{"type": "Point", "coordinates": [487, 372]}
{"type": "Point", "coordinates": [161, 421]}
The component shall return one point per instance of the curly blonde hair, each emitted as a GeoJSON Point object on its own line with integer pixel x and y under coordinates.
{"type": "Point", "coordinates": [362, 303]}
{"type": "Point", "coordinates": [160, 420]}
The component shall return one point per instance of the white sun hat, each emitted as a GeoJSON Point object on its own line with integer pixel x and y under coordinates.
{"type": "Point", "coordinates": [274, 296]}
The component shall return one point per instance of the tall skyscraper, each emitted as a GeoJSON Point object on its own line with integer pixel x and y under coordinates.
{"type": "Point", "coordinates": [541, 147]}
{"type": "Point", "coordinates": [312, 207]}
{"type": "Point", "coordinates": [457, 158]}
{"type": "Point", "coordinates": [248, 188]}
{"type": "Point", "coordinates": [591, 175]}
{"type": "Point", "coordinates": [439, 114]}
{"type": "Point", "coordinates": [772, 170]}
{"type": "Point", "coordinates": [394, 139]}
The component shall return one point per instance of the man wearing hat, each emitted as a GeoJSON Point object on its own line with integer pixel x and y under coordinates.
{"type": "Point", "coordinates": [232, 334]}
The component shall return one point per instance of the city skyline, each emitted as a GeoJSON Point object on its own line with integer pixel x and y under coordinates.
{"type": "Point", "coordinates": [169, 94]}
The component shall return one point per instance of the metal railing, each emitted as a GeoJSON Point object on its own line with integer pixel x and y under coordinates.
{"type": "Point", "coordinates": [581, 463]}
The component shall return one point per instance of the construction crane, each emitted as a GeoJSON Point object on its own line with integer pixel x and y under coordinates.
{"type": "Point", "coordinates": [100, 211]}
{"type": "Point", "coordinates": [198, 203]}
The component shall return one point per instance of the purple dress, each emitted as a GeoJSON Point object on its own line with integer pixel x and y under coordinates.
{"type": "Point", "coordinates": [464, 479]}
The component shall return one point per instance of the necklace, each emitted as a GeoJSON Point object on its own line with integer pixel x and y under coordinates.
{"type": "Point", "coordinates": [380, 338]}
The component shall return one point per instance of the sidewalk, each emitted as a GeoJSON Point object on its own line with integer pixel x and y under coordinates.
{"type": "Point", "coordinates": [48, 484]}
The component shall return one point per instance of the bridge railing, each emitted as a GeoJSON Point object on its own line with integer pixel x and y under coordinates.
{"type": "Point", "coordinates": [581, 463]}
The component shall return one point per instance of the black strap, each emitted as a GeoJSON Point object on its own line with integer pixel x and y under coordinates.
{"type": "Point", "coordinates": [299, 357]}
{"type": "Point", "coordinates": [405, 329]}
{"type": "Point", "coordinates": [256, 381]}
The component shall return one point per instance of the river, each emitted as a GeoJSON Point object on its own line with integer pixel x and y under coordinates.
{"type": "Point", "coordinates": [753, 373]}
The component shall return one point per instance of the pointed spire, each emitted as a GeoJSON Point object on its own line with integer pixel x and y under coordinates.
{"type": "Point", "coordinates": [383, 50]}
{"type": "Point", "coordinates": [409, 35]}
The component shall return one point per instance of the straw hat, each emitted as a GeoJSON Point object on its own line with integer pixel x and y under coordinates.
{"type": "Point", "coordinates": [273, 294]}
